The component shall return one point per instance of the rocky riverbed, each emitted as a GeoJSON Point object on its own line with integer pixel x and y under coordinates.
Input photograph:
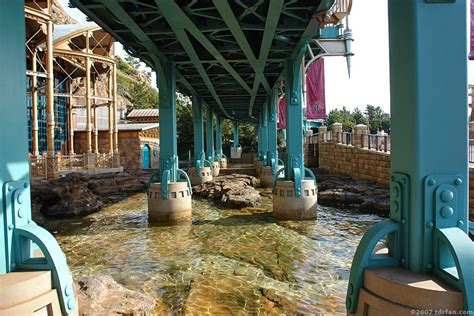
{"type": "Point", "coordinates": [79, 194]}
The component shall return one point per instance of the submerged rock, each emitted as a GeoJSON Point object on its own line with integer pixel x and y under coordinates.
{"type": "Point", "coordinates": [81, 194]}
{"type": "Point", "coordinates": [236, 190]}
{"type": "Point", "coordinates": [101, 295]}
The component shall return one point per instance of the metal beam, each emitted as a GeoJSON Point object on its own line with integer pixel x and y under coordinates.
{"type": "Point", "coordinates": [172, 12]}
{"type": "Point", "coordinates": [120, 13]}
{"type": "Point", "coordinates": [274, 11]}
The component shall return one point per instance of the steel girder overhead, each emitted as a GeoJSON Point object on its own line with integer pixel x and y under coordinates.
{"type": "Point", "coordinates": [230, 53]}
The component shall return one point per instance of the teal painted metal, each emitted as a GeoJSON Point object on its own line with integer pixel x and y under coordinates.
{"type": "Point", "coordinates": [428, 196]}
{"type": "Point", "coordinates": [232, 63]}
{"type": "Point", "coordinates": [294, 168]}
{"type": "Point", "coordinates": [219, 153]}
{"type": "Point", "coordinates": [209, 135]}
{"type": "Point", "coordinates": [199, 154]}
{"type": "Point", "coordinates": [272, 152]}
{"type": "Point", "coordinates": [146, 157]}
{"type": "Point", "coordinates": [166, 75]}
{"type": "Point", "coordinates": [259, 137]}
{"type": "Point", "coordinates": [235, 126]}
{"type": "Point", "coordinates": [19, 235]}
{"type": "Point", "coordinates": [265, 131]}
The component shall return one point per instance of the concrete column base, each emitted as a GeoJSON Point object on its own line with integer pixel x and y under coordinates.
{"type": "Point", "coordinates": [287, 206]}
{"type": "Point", "coordinates": [223, 163]}
{"type": "Point", "coordinates": [177, 207]}
{"type": "Point", "coordinates": [29, 293]}
{"type": "Point", "coordinates": [397, 291]}
{"type": "Point", "coordinates": [267, 177]}
{"type": "Point", "coordinates": [205, 175]}
{"type": "Point", "coordinates": [215, 167]}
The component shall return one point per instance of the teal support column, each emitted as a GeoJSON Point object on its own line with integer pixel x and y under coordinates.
{"type": "Point", "coordinates": [294, 168]}
{"type": "Point", "coordinates": [235, 126]}
{"type": "Point", "coordinates": [218, 137]}
{"type": "Point", "coordinates": [259, 137]}
{"type": "Point", "coordinates": [166, 74]}
{"type": "Point", "coordinates": [209, 135]}
{"type": "Point", "coordinates": [264, 133]}
{"type": "Point", "coordinates": [17, 229]}
{"type": "Point", "coordinates": [283, 136]}
{"type": "Point", "coordinates": [272, 152]}
{"type": "Point", "coordinates": [427, 228]}
{"type": "Point", "coordinates": [199, 154]}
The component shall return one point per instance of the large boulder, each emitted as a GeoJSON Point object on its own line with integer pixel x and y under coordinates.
{"type": "Point", "coordinates": [81, 194]}
{"type": "Point", "coordinates": [344, 192]}
{"type": "Point", "coordinates": [101, 295]}
{"type": "Point", "coordinates": [236, 190]}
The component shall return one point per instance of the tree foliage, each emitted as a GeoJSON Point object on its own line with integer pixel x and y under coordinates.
{"type": "Point", "coordinates": [372, 116]}
{"type": "Point", "coordinates": [135, 85]}
{"type": "Point", "coordinates": [184, 127]}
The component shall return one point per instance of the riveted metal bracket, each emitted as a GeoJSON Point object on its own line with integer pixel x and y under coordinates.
{"type": "Point", "coordinates": [445, 204]}
{"type": "Point", "coordinates": [399, 207]}
{"type": "Point", "coordinates": [16, 195]}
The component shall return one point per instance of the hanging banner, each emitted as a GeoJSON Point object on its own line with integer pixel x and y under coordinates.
{"type": "Point", "coordinates": [315, 91]}
{"type": "Point", "coordinates": [282, 113]}
{"type": "Point", "coordinates": [471, 54]}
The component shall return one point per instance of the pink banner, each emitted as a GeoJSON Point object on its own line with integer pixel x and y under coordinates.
{"type": "Point", "coordinates": [315, 92]}
{"type": "Point", "coordinates": [471, 54]}
{"type": "Point", "coordinates": [282, 113]}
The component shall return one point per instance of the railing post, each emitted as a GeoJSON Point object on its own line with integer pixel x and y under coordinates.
{"type": "Point", "coordinates": [360, 132]}
{"type": "Point", "coordinates": [336, 129]}
{"type": "Point", "coordinates": [322, 130]}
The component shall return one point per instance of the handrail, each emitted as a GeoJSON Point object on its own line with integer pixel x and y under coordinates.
{"type": "Point", "coordinates": [186, 177]}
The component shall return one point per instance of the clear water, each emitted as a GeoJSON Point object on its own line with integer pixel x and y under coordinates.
{"type": "Point", "coordinates": [225, 262]}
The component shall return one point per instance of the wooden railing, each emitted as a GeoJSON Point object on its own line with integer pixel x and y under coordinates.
{"type": "Point", "coordinates": [39, 166]}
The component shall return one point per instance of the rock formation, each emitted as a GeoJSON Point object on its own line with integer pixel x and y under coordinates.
{"type": "Point", "coordinates": [343, 192]}
{"type": "Point", "coordinates": [236, 190]}
{"type": "Point", "coordinates": [101, 295]}
{"type": "Point", "coordinates": [81, 194]}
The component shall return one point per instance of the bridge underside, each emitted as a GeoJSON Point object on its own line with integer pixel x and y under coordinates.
{"type": "Point", "coordinates": [230, 56]}
{"type": "Point", "coordinates": [229, 53]}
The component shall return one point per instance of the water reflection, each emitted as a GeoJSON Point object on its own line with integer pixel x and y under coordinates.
{"type": "Point", "coordinates": [226, 261]}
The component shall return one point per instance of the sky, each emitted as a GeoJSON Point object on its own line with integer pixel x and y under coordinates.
{"type": "Point", "coordinates": [369, 82]}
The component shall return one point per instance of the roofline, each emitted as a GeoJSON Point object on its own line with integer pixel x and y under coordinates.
{"type": "Point", "coordinates": [93, 27]}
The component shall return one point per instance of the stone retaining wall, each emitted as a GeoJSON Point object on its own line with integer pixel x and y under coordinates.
{"type": "Point", "coordinates": [357, 162]}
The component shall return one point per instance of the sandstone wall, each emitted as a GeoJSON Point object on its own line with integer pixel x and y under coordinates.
{"type": "Point", "coordinates": [358, 163]}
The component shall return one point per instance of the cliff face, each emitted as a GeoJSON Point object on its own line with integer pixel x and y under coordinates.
{"type": "Point", "coordinates": [59, 14]}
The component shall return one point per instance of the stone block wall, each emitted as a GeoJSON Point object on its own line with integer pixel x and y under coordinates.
{"type": "Point", "coordinates": [128, 142]}
{"type": "Point", "coordinates": [311, 152]}
{"type": "Point", "coordinates": [359, 163]}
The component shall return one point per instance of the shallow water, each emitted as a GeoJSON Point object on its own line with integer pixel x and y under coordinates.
{"type": "Point", "coordinates": [225, 262]}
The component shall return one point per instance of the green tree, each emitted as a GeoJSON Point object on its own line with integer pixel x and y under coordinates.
{"type": "Point", "coordinates": [359, 117]}
{"type": "Point", "coordinates": [343, 116]}
{"type": "Point", "coordinates": [132, 61]}
{"type": "Point", "coordinates": [142, 95]}
{"type": "Point", "coordinates": [377, 117]}
{"type": "Point", "coordinates": [185, 128]}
